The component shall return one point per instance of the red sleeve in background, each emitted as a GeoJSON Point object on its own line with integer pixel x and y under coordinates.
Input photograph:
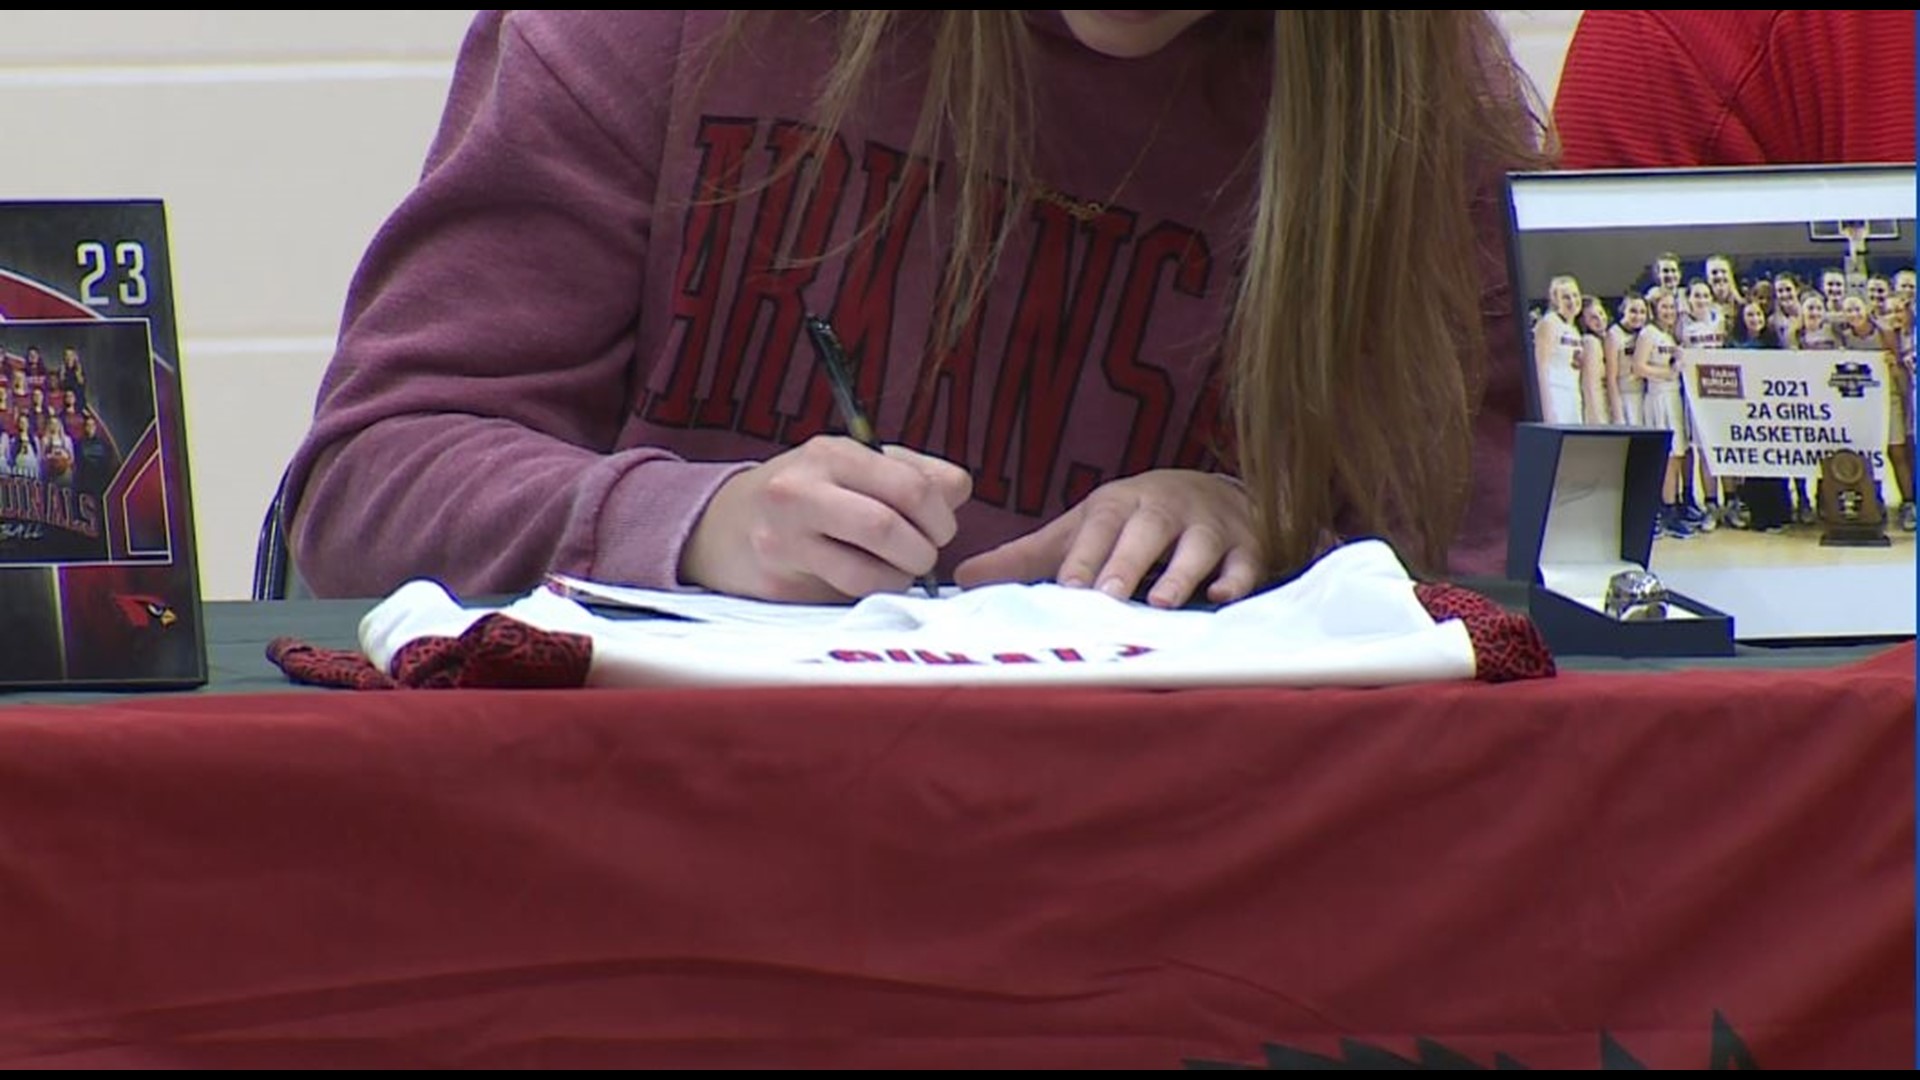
{"type": "Point", "coordinates": [1649, 89]}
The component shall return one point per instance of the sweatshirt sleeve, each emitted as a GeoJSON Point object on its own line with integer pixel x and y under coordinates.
{"type": "Point", "coordinates": [1643, 89]}
{"type": "Point", "coordinates": [466, 428]}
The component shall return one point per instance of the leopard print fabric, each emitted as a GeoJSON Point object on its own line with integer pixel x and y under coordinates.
{"type": "Point", "coordinates": [339, 669]}
{"type": "Point", "coordinates": [1507, 647]}
{"type": "Point", "coordinates": [500, 653]}
{"type": "Point", "coordinates": [497, 652]}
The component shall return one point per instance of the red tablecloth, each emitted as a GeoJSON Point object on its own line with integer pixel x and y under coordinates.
{"type": "Point", "coordinates": [1680, 870]}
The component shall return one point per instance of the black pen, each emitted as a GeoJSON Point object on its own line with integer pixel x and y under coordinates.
{"type": "Point", "coordinates": [826, 345]}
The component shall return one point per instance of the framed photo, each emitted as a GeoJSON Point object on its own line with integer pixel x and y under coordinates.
{"type": "Point", "coordinates": [1763, 317]}
{"type": "Point", "coordinates": [99, 585]}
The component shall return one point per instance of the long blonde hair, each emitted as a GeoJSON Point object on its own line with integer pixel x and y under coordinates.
{"type": "Point", "coordinates": [1354, 352]}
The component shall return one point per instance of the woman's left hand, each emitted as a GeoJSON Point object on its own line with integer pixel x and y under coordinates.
{"type": "Point", "coordinates": [1199, 523]}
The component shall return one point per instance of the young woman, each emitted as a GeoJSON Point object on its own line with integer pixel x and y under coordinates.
{"type": "Point", "coordinates": [1704, 324]}
{"type": "Point", "coordinates": [1629, 387]}
{"type": "Point", "coordinates": [1655, 359]}
{"type": "Point", "coordinates": [1726, 291]}
{"type": "Point", "coordinates": [1112, 276]}
{"type": "Point", "coordinates": [1813, 333]}
{"type": "Point", "coordinates": [1833, 286]}
{"type": "Point", "coordinates": [73, 374]}
{"type": "Point", "coordinates": [1763, 504]}
{"type": "Point", "coordinates": [1755, 329]}
{"type": "Point", "coordinates": [20, 451]}
{"type": "Point", "coordinates": [1857, 326]}
{"type": "Point", "coordinates": [1597, 402]}
{"type": "Point", "coordinates": [1761, 292]}
{"type": "Point", "coordinates": [1786, 305]}
{"type": "Point", "coordinates": [1892, 334]}
{"type": "Point", "coordinates": [1879, 291]}
{"type": "Point", "coordinates": [36, 369]}
{"type": "Point", "coordinates": [1556, 353]}
{"type": "Point", "coordinates": [1666, 273]}
{"type": "Point", "coordinates": [56, 452]}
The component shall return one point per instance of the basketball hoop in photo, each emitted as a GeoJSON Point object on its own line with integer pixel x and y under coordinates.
{"type": "Point", "coordinates": [1857, 235]}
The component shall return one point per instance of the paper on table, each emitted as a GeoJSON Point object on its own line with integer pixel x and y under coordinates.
{"type": "Point", "coordinates": [710, 607]}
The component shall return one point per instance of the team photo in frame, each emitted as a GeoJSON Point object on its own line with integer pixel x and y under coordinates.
{"type": "Point", "coordinates": [1763, 317]}
{"type": "Point", "coordinates": [99, 579]}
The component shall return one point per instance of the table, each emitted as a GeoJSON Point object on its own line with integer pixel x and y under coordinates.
{"type": "Point", "coordinates": [238, 633]}
{"type": "Point", "coordinates": [1675, 864]}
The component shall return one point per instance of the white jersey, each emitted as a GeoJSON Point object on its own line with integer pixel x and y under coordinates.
{"type": "Point", "coordinates": [1562, 371]}
{"type": "Point", "coordinates": [1663, 407]}
{"type": "Point", "coordinates": [1352, 619]}
{"type": "Point", "coordinates": [1821, 339]}
{"type": "Point", "coordinates": [1665, 352]}
{"type": "Point", "coordinates": [1854, 339]}
{"type": "Point", "coordinates": [1631, 387]}
{"type": "Point", "coordinates": [1593, 380]}
{"type": "Point", "coordinates": [1707, 333]}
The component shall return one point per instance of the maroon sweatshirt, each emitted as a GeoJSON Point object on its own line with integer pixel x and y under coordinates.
{"type": "Point", "coordinates": [553, 353]}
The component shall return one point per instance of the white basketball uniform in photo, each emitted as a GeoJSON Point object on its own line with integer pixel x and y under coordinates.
{"type": "Point", "coordinates": [1563, 373]}
{"type": "Point", "coordinates": [1819, 340]}
{"type": "Point", "coordinates": [1593, 380]}
{"type": "Point", "coordinates": [1853, 339]}
{"type": "Point", "coordinates": [1630, 387]}
{"type": "Point", "coordinates": [1664, 407]}
{"type": "Point", "coordinates": [1707, 333]}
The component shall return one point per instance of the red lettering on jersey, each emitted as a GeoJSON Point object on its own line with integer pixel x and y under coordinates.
{"type": "Point", "coordinates": [900, 656]}
{"type": "Point", "coordinates": [952, 659]}
{"type": "Point", "coordinates": [1013, 658]}
{"type": "Point", "coordinates": [1128, 652]}
{"type": "Point", "coordinates": [1070, 656]}
{"type": "Point", "coordinates": [856, 656]}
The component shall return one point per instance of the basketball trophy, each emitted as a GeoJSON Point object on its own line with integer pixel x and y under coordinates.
{"type": "Point", "coordinates": [1851, 510]}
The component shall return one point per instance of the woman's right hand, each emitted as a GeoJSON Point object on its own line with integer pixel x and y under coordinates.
{"type": "Point", "coordinates": [828, 520]}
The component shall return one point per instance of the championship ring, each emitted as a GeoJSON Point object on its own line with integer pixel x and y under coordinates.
{"type": "Point", "coordinates": [1636, 596]}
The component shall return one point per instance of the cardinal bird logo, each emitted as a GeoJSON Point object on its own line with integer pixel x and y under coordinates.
{"type": "Point", "coordinates": [145, 612]}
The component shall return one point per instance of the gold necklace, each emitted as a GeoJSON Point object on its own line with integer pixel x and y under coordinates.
{"type": "Point", "coordinates": [1082, 210]}
{"type": "Point", "coordinates": [1086, 210]}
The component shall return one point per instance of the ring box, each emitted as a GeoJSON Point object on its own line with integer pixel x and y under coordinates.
{"type": "Point", "coordinates": [1585, 501]}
